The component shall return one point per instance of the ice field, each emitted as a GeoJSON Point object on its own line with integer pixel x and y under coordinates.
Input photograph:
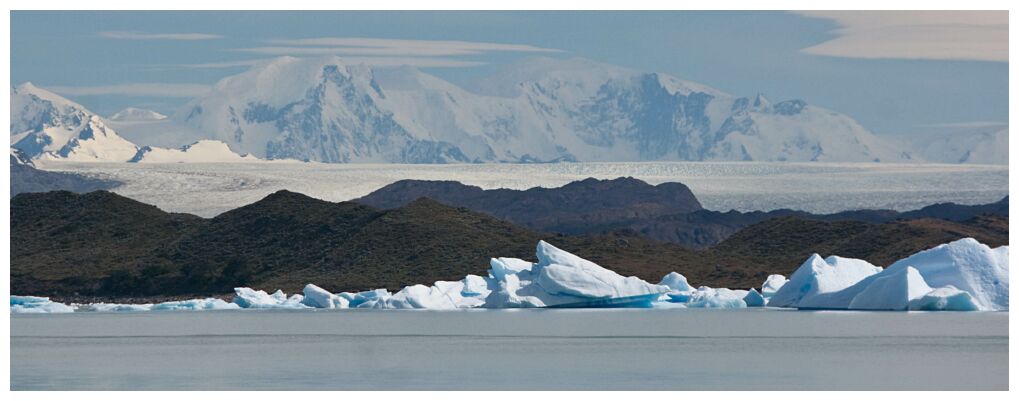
{"type": "Point", "coordinates": [211, 188]}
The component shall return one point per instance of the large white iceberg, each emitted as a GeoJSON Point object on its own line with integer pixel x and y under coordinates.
{"type": "Point", "coordinates": [967, 265]}
{"type": "Point", "coordinates": [29, 304]}
{"type": "Point", "coordinates": [816, 278]}
{"type": "Point", "coordinates": [889, 290]}
{"type": "Point", "coordinates": [561, 279]}
{"type": "Point", "coordinates": [257, 299]}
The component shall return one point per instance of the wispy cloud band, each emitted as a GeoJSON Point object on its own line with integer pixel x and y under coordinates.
{"type": "Point", "coordinates": [134, 35]}
{"type": "Point", "coordinates": [933, 35]}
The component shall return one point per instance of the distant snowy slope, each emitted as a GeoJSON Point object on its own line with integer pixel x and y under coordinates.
{"type": "Point", "coordinates": [535, 110]}
{"type": "Point", "coordinates": [989, 146]}
{"type": "Point", "coordinates": [205, 151]}
{"type": "Point", "coordinates": [132, 114]}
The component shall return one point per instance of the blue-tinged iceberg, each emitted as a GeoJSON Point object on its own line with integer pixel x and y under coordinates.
{"type": "Point", "coordinates": [28, 304]}
{"type": "Point", "coordinates": [196, 304]}
{"type": "Point", "coordinates": [561, 279]}
{"type": "Point", "coordinates": [754, 299]}
{"type": "Point", "coordinates": [316, 297]}
{"type": "Point", "coordinates": [946, 298]}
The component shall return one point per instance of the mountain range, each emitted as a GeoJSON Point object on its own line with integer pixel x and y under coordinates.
{"type": "Point", "coordinates": [538, 109]}
{"type": "Point", "coordinates": [666, 212]}
{"type": "Point", "coordinates": [70, 245]}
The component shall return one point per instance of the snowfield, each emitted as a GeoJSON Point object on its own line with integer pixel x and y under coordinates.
{"type": "Point", "coordinates": [207, 189]}
{"type": "Point", "coordinates": [964, 275]}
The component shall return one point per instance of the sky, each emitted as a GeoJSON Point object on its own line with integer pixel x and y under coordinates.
{"type": "Point", "coordinates": [898, 73]}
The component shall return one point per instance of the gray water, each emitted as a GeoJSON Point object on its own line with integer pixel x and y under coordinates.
{"type": "Point", "coordinates": [507, 350]}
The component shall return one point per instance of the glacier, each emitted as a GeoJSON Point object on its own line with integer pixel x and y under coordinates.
{"type": "Point", "coordinates": [963, 275]}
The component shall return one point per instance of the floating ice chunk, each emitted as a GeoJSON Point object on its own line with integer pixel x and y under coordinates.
{"type": "Point", "coordinates": [966, 265]}
{"type": "Point", "coordinates": [111, 307]}
{"type": "Point", "coordinates": [772, 284]}
{"type": "Point", "coordinates": [676, 282]}
{"type": "Point", "coordinates": [717, 298]}
{"type": "Point", "coordinates": [561, 279]}
{"type": "Point", "coordinates": [29, 304]}
{"type": "Point", "coordinates": [316, 297]}
{"type": "Point", "coordinates": [817, 277]}
{"type": "Point", "coordinates": [196, 304]}
{"type": "Point", "coordinates": [753, 299]}
{"type": "Point", "coordinates": [892, 289]}
{"type": "Point", "coordinates": [249, 298]}
{"type": "Point", "coordinates": [420, 297]}
{"type": "Point", "coordinates": [945, 299]}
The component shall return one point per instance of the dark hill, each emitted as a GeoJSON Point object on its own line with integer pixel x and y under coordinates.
{"type": "Point", "coordinates": [666, 212]}
{"type": "Point", "coordinates": [66, 244]}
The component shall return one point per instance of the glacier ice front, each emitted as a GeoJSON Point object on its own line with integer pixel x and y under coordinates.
{"type": "Point", "coordinates": [561, 279]}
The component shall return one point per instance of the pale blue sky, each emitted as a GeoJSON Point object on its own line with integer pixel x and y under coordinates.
{"type": "Point", "coordinates": [99, 58]}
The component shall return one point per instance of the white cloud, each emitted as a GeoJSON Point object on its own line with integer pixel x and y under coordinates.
{"type": "Point", "coordinates": [409, 46]}
{"type": "Point", "coordinates": [389, 52]}
{"type": "Point", "coordinates": [935, 35]}
{"type": "Point", "coordinates": [134, 35]}
{"type": "Point", "coordinates": [370, 61]}
{"type": "Point", "coordinates": [140, 89]}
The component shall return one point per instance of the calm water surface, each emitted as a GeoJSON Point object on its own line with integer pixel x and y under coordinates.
{"type": "Point", "coordinates": [524, 349]}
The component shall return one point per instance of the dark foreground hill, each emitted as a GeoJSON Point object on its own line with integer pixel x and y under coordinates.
{"type": "Point", "coordinates": [102, 244]}
{"type": "Point", "coordinates": [665, 212]}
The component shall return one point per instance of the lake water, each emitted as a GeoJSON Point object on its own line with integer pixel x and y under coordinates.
{"type": "Point", "coordinates": [754, 349]}
{"type": "Point", "coordinates": [209, 189]}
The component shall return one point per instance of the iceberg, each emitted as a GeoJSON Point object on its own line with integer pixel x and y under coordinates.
{"type": "Point", "coordinates": [317, 297]}
{"type": "Point", "coordinates": [816, 278]}
{"type": "Point", "coordinates": [420, 297]}
{"type": "Point", "coordinates": [561, 279]}
{"type": "Point", "coordinates": [754, 299]}
{"type": "Point", "coordinates": [367, 299]}
{"type": "Point", "coordinates": [892, 289]}
{"type": "Point", "coordinates": [945, 299]}
{"type": "Point", "coordinates": [676, 282]}
{"type": "Point", "coordinates": [717, 298]}
{"type": "Point", "coordinates": [29, 304]}
{"type": "Point", "coordinates": [251, 299]}
{"type": "Point", "coordinates": [772, 284]}
{"type": "Point", "coordinates": [196, 304]}
{"type": "Point", "coordinates": [110, 307]}
{"type": "Point", "coordinates": [966, 265]}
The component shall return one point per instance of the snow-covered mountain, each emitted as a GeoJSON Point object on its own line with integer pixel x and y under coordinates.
{"type": "Point", "coordinates": [47, 126]}
{"type": "Point", "coordinates": [535, 110]}
{"type": "Point", "coordinates": [984, 146]}
{"type": "Point", "coordinates": [205, 151]}
{"type": "Point", "coordinates": [131, 114]}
